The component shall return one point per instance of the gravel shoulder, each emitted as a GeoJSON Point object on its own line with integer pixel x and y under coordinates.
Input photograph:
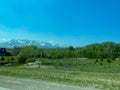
{"type": "Point", "coordinates": [10, 83]}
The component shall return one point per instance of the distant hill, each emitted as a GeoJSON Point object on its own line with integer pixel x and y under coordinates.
{"type": "Point", "coordinates": [21, 43]}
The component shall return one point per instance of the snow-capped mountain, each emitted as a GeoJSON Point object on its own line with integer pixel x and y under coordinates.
{"type": "Point", "coordinates": [21, 43]}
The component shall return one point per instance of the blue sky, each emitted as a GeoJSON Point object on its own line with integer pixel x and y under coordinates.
{"type": "Point", "coordinates": [66, 22]}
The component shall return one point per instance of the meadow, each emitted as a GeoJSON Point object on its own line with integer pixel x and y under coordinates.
{"type": "Point", "coordinates": [94, 73]}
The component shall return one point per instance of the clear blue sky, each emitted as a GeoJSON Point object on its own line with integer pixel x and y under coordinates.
{"type": "Point", "coordinates": [66, 22]}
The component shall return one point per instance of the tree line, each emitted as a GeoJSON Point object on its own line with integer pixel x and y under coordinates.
{"type": "Point", "coordinates": [106, 50]}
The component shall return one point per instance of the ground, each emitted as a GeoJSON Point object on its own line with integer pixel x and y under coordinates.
{"type": "Point", "coordinates": [64, 74]}
{"type": "Point", "coordinates": [10, 83]}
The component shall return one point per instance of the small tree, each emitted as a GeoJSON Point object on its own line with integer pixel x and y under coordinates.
{"type": "Point", "coordinates": [71, 48]}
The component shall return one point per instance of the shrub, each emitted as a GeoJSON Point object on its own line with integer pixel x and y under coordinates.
{"type": "Point", "coordinates": [96, 60]}
{"type": "Point", "coordinates": [101, 63]}
{"type": "Point", "coordinates": [31, 60]}
{"type": "Point", "coordinates": [48, 63]}
{"type": "Point", "coordinates": [2, 58]}
{"type": "Point", "coordinates": [12, 59]}
{"type": "Point", "coordinates": [101, 59]}
{"type": "Point", "coordinates": [108, 60]}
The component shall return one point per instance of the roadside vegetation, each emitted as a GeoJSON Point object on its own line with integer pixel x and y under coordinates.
{"type": "Point", "coordinates": [99, 79]}
{"type": "Point", "coordinates": [95, 65]}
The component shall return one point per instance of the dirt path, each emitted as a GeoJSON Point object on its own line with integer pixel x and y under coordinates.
{"type": "Point", "coordinates": [9, 83]}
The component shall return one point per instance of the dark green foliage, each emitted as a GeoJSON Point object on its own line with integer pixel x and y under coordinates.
{"type": "Point", "coordinates": [12, 59]}
{"type": "Point", "coordinates": [71, 48]}
{"type": "Point", "coordinates": [108, 60]}
{"type": "Point", "coordinates": [28, 52]}
{"type": "Point", "coordinates": [101, 59]}
{"type": "Point", "coordinates": [96, 51]}
{"type": "Point", "coordinates": [2, 59]}
{"type": "Point", "coordinates": [96, 60]}
{"type": "Point", "coordinates": [48, 63]}
{"type": "Point", "coordinates": [101, 63]}
{"type": "Point", "coordinates": [15, 51]}
{"type": "Point", "coordinates": [8, 59]}
{"type": "Point", "coordinates": [31, 60]}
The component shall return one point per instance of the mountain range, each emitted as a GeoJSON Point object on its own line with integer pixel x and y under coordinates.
{"type": "Point", "coordinates": [21, 43]}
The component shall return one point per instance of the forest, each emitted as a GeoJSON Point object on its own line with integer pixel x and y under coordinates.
{"type": "Point", "coordinates": [106, 50]}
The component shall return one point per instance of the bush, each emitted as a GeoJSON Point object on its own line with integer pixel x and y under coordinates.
{"type": "Point", "coordinates": [31, 60]}
{"type": "Point", "coordinates": [48, 63]}
{"type": "Point", "coordinates": [12, 59]}
{"type": "Point", "coordinates": [108, 60]}
{"type": "Point", "coordinates": [101, 63]}
{"type": "Point", "coordinates": [2, 58]}
{"type": "Point", "coordinates": [101, 59]}
{"type": "Point", "coordinates": [96, 60]}
{"type": "Point", "coordinates": [21, 59]}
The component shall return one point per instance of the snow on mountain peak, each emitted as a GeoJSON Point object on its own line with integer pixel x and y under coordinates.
{"type": "Point", "coordinates": [21, 43]}
{"type": "Point", "coordinates": [4, 40]}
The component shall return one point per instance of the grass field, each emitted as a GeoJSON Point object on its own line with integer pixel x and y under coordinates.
{"type": "Point", "coordinates": [12, 83]}
{"type": "Point", "coordinates": [83, 73]}
{"type": "Point", "coordinates": [85, 65]}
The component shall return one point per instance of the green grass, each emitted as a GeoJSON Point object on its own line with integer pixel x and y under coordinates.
{"type": "Point", "coordinates": [84, 73]}
{"type": "Point", "coordinates": [8, 59]}
{"type": "Point", "coordinates": [89, 65]}
{"type": "Point", "coordinates": [109, 81]}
